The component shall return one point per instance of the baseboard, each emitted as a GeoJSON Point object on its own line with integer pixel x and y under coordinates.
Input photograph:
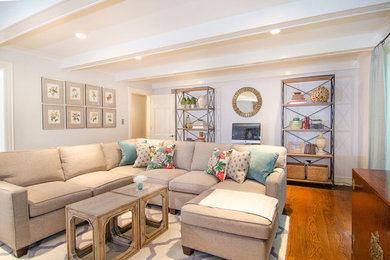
{"type": "Point", "coordinates": [346, 181]}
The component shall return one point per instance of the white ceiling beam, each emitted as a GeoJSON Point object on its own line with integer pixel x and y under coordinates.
{"type": "Point", "coordinates": [45, 17]}
{"type": "Point", "coordinates": [282, 16]}
{"type": "Point", "coordinates": [346, 44]}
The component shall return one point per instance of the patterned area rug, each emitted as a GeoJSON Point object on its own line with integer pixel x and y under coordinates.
{"type": "Point", "coordinates": [166, 246]}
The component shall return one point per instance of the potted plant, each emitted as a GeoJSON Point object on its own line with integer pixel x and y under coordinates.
{"type": "Point", "coordinates": [193, 102]}
{"type": "Point", "coordinates": [183, 102]}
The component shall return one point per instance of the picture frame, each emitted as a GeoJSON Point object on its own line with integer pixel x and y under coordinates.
{"type": "Point", "coordinates": [296, 147]}
{"type": "Point", "coordinates": [109, 97]}
{"type": "Point", "coordinates": [75, 117]}
{"type": "Point", "coordinates": [109, 118]}
{"type": "Point", "coordinates": [93, 96]}
{"type": "Point", "coordinates": [75, 93]}
{"type": "Point", "coordinates": [52, 91]}
{"type": "Point", "coordinates": [94, 117]}
{"type": "Point", "coordinates": [52, 117]}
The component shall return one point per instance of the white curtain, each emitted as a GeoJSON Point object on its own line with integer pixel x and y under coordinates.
{"type": "Point", "coordinates": [379, 145]}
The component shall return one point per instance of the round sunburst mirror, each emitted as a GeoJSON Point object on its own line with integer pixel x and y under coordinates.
{"type": "Point", "coordinates": [247, 102]}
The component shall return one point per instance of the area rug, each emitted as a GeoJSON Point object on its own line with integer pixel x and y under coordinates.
{"type": "Point", "coordinates": [166, 246]}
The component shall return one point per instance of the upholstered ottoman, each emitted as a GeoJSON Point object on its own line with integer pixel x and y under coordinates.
{"type": "Point", "coordinates": [226, 233]}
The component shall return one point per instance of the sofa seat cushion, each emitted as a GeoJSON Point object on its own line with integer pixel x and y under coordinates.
{"type": "Point", "coordinates": [127, 170]}
{"type": "Point", "coordinates": [101, 181]}
{"type": "Point", "coordinates": [163, 176]}
{"type": "Point", "coordinates": [194, 182]}
{"type": "Point", "coordinates": [229, 221]}
{"type": "Point", "coordinates": [50, 196]}
{"type": "Point", "coordinates": [246, 186]}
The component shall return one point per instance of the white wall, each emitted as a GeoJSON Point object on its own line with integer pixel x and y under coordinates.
{"type": "Point", "coordinates": [267, 80]}
{"type": "Point", "coordinates": [28, 70]}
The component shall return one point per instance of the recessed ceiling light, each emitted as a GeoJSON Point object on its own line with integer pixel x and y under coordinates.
{"type": "Point", "coordinates": [275, 31]}
{"type": "Point", "coordinates": [81, 35]}
{"type": "Point", "coordinates": [138, 58]}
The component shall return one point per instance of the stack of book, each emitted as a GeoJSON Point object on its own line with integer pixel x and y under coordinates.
{"type": "Point", "coordinates": [298, 98]}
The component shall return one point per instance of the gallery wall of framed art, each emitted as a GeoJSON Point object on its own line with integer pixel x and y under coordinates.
{"type": "Point", "coordinates": [74, 105]}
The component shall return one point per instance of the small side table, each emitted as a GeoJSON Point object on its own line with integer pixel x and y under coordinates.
{"type": "Point", "coordinates": [149, 229]}
{"type": "Point", "coordinates": [100, 212]}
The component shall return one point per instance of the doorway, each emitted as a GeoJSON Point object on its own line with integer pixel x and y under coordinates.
{"type": "Point", "coordinates": [139, 107]}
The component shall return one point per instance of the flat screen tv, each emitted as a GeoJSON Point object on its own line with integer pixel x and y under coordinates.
{"type": "Point", "coordinates": [246, 133]}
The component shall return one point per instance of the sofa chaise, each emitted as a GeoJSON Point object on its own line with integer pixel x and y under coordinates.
{"type": "Point", "coordinates": [35, 186]}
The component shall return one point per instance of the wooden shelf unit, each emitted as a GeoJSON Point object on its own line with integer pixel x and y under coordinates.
{"type": "Point", "coordinates": [304, 85]}
{"type": "Point", "coordinates": [207, 114]}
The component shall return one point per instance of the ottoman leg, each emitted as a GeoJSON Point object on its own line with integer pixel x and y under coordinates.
{"type": "Point", "coordinates": [172, 211]}
{"type": "Point", "coordinates": [187, 250]}
{"type": "Point", "coordinates": [21, 252]}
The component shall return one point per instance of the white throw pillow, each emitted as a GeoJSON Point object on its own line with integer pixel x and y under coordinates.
{"type": "Point", "coordinates": [143, 155]}
{"type": "Point", "coordinates": [238, 166]}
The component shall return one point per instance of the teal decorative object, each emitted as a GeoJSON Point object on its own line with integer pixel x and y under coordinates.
{"type": "Point", "coordinates": [296, 123]}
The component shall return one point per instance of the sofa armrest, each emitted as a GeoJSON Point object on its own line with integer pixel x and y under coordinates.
{"type": "Point", "coordinates": [14, 218]}
{"type": "Point", "coordinates": [276, 186]}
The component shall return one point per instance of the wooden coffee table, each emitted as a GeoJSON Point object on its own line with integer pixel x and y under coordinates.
{"type": "Point", "coordinates": [100, 212]}
{"type": "Point", "coordinates": [149, 228]}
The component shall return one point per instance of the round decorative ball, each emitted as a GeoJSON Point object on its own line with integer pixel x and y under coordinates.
{"type": "Point", "coordinates": [319, 94]}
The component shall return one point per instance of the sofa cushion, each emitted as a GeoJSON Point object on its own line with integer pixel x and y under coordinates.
{"type": "Point", "coordinates": [184, 152]}
{"type": "Point", "coordinates": [163, 176]}
{"type": "Point", "coordinates": [261, 165]}
{"type": "Point", "coordinates": [143, 155]}
{"type": "Point", "coordinates": [247, 186]}
{"type": "Point", "coordinates": [127, 170]}
{"type": "Point", "coordinates": [27, 168]}
{"type": "Point", "coordinates": [202, 154]}
{"type": "Point", "coordinates": [101, 181]}
{"type": "Point", "coordinates": [161, 157]}
{"type": "Point", "coordinates": [129, 153]}
{"type": "Point", "coordinates": [194, 182]}
{"type": "Point", "coordinates": [112, 153]}
{"type": "Point", "coordinates": [80, 159]}
{"type": "Point", "coordinates": [238, 165]}
{"type": "Point", "coordinates": [228, 221]}
{"type": "Point", "coordinates": [282, 151]}
{"type": "Point", "coordinates": [50, 196]}
{"type": "Point", "coordinates": [218, 163]}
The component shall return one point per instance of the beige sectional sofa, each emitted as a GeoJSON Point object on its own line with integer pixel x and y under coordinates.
{"type": "Point", "coordinates": [36, 185]}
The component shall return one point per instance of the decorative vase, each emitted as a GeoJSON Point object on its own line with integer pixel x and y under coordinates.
{"type": "Point", "coordinates": [321, 144]}
{"type": "Point", "coordinates": [202, 101]}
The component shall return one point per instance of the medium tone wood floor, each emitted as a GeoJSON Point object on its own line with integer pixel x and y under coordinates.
{"type": "Point", "coordinates": [320, 223]}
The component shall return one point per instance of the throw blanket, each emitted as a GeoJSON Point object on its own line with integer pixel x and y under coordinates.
{"type": "Point", "coordinates": [253, 203]}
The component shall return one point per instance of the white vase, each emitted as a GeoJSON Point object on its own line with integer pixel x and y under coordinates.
{"type": "Point", "coordinates": [321, 144]}
{"type": "Point", "coordinates": [202, 101]}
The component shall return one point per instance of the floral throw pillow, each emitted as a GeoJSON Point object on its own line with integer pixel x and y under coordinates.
{"type": "Point", "coordinates": [143, 151]}
{"type": "Point", "coordinates": [217, 163]}
{"type": "Point", "coordinates": [161, 157]}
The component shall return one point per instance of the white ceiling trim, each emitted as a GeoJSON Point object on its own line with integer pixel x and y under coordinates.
{"type": "Point", "coordinates": [347, 44]}
{"type": "Point", "coordinates": [46, 17]}
{"type": "Point", "coordinates": [261, 21]}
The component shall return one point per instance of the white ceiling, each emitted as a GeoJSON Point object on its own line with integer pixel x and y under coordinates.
{"type": "Point", "coordinates": [180, 37]}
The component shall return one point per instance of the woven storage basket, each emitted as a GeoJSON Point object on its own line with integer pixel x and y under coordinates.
{"type": "Point", "coordinates": [296, 171]}
{"type": "Point", "coordinates": [317, 172]}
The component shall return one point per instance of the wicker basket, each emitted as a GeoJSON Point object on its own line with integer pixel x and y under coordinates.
{"type": "Point", "coordinates": [296, 171]}
{"type": "Point", "coordinates": [317, 172]}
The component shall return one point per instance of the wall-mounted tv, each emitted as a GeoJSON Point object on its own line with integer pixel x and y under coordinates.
{"type": "Point", "coordinates": [246, 133]}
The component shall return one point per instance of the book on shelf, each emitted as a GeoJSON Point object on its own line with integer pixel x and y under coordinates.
{"type": "Point", "coordinates": [297, 101]}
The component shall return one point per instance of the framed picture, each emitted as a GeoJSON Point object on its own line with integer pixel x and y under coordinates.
{"type": "Point", "coordinates": [52, 117]}
{"type": "Point", "coordinates": [74, 93]}
{"type": "Point", "coordinates": [296, 147]}
{"type": "Point", "coordinates": [75, 117]}
{"type": "Point", "coordinates": [94, 117]}
{"type": "Point", "coordinates": [93, 95]}
{"type": "Point", "coordinates": [109, 97]}
{"type": "Point", "coordinates": [52, 91]}
{"type": "Point", "coordinates": [109, 118]}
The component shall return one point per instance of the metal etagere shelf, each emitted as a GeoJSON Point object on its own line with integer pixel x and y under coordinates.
{"type": "Point", "coordinates": [207, 114]}
{"type": "Point", "coordinates": [308, 136]}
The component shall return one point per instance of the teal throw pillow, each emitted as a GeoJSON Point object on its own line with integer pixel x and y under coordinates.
{"type": "Point", "coordinates": [129, 153]}
{"type": "Point", "coordinates": [261, 165]}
